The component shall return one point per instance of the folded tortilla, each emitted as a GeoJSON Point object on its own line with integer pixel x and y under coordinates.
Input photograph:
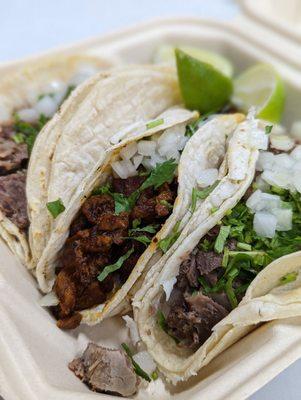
{"type": "Point", "coordinates": [204, 150]}
{"type": "Point", "coordinates": [22, 90]}
{"type": "Point", "coordinates": [266, 299]}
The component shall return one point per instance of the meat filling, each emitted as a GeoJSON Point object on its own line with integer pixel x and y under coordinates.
{"type": "Point", "coordinates": [100, 237]}
{"type": "Point", "coordinates": [13, 161]}
{"type": "Point", "coordinates": [106, 370]}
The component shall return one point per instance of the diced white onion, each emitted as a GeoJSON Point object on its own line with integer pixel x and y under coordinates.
{"type": "Point", "coordinates": [258, 139]}
{"type": "Point", "coordinates": [277, 178]}
{"type": "Point", "coordinates": [260, 201]}
{"type": "Point", "coordinates": [296, 130]}
{"type": "Point", "coordinates": [129, 151]}
{"type": "Point", "coordinates": [133, 329]}
{"type": "Point", "coordinates": [262, 184]}
{"type": "Point", "coordinates": [207, 177]}
{"type": "Point", "coordinates": [168, 286]}
{"type": "Point", "coordinates": [284, 218]}
{"type": "Point", "coordinates": [124, 169]}
{"type": "Point", "coordinates": [137, 160]}
{"type": "Point", "coordinates": [283, 161]}
{"type": "Point", "coordinates": [145, 361]}
{"type": "Point", "coordinates": [296, 153]}
{"type": "Point", "coordinates": [265, 224]}
{"type": "Point", "coordinates": [297, 181]}
{"type": "Point", "coordinates": [49, 300]}
{"type": "Point", "coordinates": [146, 147]}
{"type": "Point", "coordinates": [46, 106]}
{"type": "Point", "coordinates": [282, 142]}
{"type": "Point", "coordinates": [28, 114]}
{"type": "Point", "coordinates": [265, 161]}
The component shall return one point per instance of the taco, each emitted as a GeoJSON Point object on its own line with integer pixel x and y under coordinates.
{"type": "Point", "coordinates": [29, 97]}
{"type": "Point", "coordinates": [128, 214]}
{"type": "Point", "coordinates": [228, 270]}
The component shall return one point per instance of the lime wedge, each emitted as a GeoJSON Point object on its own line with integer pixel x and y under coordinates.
{"type": "Point", "coordinates": [203, 87]}
{"type": "Point", "coordinates": [262, 87]}
{"type": "Point", "coordinates": [166, 54]}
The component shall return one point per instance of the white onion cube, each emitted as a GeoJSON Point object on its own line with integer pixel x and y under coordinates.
{"type": "Point", "coordinates": [129, 151]}
{"type": "Point", "coordinates": [265, 224]}
{"type": "Point", "coordinates": [146, 147]}
{"type": "Point", "coordinates": [284, 218]}
{"type": "Point", "coordinates": [282, 142]}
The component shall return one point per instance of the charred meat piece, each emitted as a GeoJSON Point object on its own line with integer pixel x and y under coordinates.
{"type": "Point", "coordinates": [208, 261]}
{"type": "Point", "coordinates": [193, 320]}
{"type": "Point", "coordinates": [106, 370]}
{"type": "Point", "coordinates": [145, 207]}
{"type": "Point", "coordinates": [13, 156]}
{"type": "Point", "coordinates": [80, 223]}
{"type": "Point", "coordinates": [69, 322]}
{"type": "Point", "coordinates": [13, 198]}
{"type": "Point", "coordinates": [127, 186]}
{"type": "Point", "coordinates": [162, 200]}
{"type": "Point", "coordinates": [112, 222]}
{"type": "Point", "coordinates": [91, 296]}
{"type": "Point", "coordinates": [94, 207]}
{"type": "Point", "coordinates": [65, 290]}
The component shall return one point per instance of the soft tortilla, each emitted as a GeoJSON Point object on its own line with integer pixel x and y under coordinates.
{"type": "Point", "coordinates": [20, 89]}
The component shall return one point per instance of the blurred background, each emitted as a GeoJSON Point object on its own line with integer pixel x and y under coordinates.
{"type": "Point", "coordinates": [31, 26]}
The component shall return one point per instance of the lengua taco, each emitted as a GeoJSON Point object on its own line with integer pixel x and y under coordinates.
{"type": "Point", "coordinates": [128, 214]}
{"type": "Point", "coordinates": [28, 99]}
{"type": "Point", "coordinates": [227, 271]}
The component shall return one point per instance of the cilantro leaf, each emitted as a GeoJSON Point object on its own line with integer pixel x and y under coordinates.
{"type": "Point", "coordinates": [138, 370]}
{"type": "Point", "coordinates": [142, 239]}
{"type": "Point", "coordinates": [55, 207]}
{"type": "Point", "coordinates": [201, 194]}
{"type": "Point", "coordinates": [166, 243]}
{"type": "Point", "coordinates": [221, 239]}
{"type": "Point", "coordinates": [290, 277]}
{"type": "Point", "coordinates": [154, 123]}
{"type": "Point", "coordinates": [268, 129]}
{"type": "Point", "coordinates": [114, 267]}
{"type": "Point", "coordinates": [149, 228]}
{"type": "Point", "coordinates": [162, 173]}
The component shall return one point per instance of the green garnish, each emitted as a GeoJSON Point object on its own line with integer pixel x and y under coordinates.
{"type": "Point", "coordinates": [138, 370]}
{"type": "Point", "coordinates": [154, 375]}
{"type": "Point", "coordinates": [27, 132]}
{"type": "Point", "coordinates": [244, 246]}
{"type": "Point", "coordinates": [162, 173]}
{"type": "Point", "coordinates": [194, 126]}
{"type": "Point", "coordinates": [213, 210]}
{"type": "Point", "coordinates": [114, 267]}
{"type": "Point", "coordinates": [41, 96]}
{"type": "Point", "coordinates": [161, 320]}
{"type": "Point", "coordinates": [55, 207]}
{"type": "Point", "coordinates": [136, 223]}
{"type": "Point", "coordinates": [149, 228]}
{"type": "Point", "coordinates": [268, 129]}
{"type": "Point", "coordinates": [142, 239]}
{"type": "Point", "coordinates": [290, 277]}
{"type": "Point", "coordinates": [221, 239]}
{"type": "Point", "coordinates": [166, 204]}
{"type": "Point", "coordinates": [70, 89]}
{"type": "Point", "coordinates": [154, 123]}
{"type": "Point", "coordinates": [201, 194]}
{"type": "Point", "coordinates": [166, 243]}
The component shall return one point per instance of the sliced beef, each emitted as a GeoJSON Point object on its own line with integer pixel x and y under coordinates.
{"type": "Point", "coordinates": [13, 198]}
{"type": "Point", "coordinates": [208, 261]}
{"type": "Point", "coordinates": [106, 370]}
{"type": "Point", "coordinates": [193, 320]}
{"type": "Point", "coordinates": [13, 156]}
{"type": "Point", "coordinates": [127, 186]}
{"type": "Point", "coordinates": [79, 224]}
{"type": "Point", "coordinates": [165, 198]}
{"type": "Point", "coordinates": [65, 289]}
{"type": "Point", "coordinates": [69, 322]}
{"type": "Point", "coordinates": [188, 273]}
{"type": "Point", "coordinates": [145, 207]}
{"type": "Point", "coordinates": [112, 222]}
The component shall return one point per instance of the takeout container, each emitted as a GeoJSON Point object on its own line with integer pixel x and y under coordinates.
{"type": "Point", "coordinates": [34, 353]}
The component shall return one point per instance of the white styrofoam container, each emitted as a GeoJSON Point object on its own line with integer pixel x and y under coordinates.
{"type": "Point", "coordinates": [34, 354]}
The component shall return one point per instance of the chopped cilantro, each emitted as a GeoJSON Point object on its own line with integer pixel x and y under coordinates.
{"type": "Point", "coordinates": [290, 277]}
{"type": "Point", "coordinates": [154, 375]}
{"type": "Point", "coordinates": [221, 239]}
{"type": "Point", "coordinates": [166, 204]}
{"type": "Point", "coordinates": [149, 228]}
{"type": "Point", "coordinates": [55, 207]}
{"type": "Point", "coordinates": [138, 370]}
{"type": "Point", "coordinates": [19, 138]}
{"type": "Point", "coordinates": [201, 194]}
{"type": "Point", "coordinates": [162, 173]}
{"type": "Point", "coordinates": [142, 239]}
{"type": "Point", "coordinates": [268, 129]}
{"type": "Point", "coordinates": [166, 243]}
{"type": "Point", "coordinates": [154, 123]}
{"type": "Point", "coordinates": [114, 267]}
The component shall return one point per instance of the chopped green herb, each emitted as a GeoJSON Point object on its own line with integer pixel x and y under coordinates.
{"type": "Point", "coordinates": [41, 96]}
{"type": "Point", "coordinates": [229, 287]}
{"type": "Point", "coordinates": [213, 210]}
{"type": "Point", "coordinates": [154, 123]}
{"type": "Point", "coordinates": [194, 126]}
{"type": "Point", "coordinates": [244, 246]}
{"type": "Point", "coordinates": [201, 194]}
{"type": "Point", "coordinates": [166, 243]}
{"type": "Point", "coordinates": [55, 207]}
{"type": "Point", "coordinates": [206, 288]}
{"type": "Point", "coordinates": [268, 129]}
{"type": "Point", "coordinates": [114, 267]}
{"type": "Point", "coordinates": [162, 173]}
{"type": "Point", "coordinates": [142, 239]}
{"type": "Point", "coordinates": [290, 277]}
{"type": "Point", "coordinates": [138, 370]}
{"type": "Point", "coordinates": [154, 375]}
{"type": "Point", "coordinates": [221, 239]}
{"type": "Point", "coordinates": [149, 228]}
{"type": "Point", "coordinates": [105, 189]}
{"type": "Point", "coordinates": [136, 223]}
{"type": "Point", "coordinates": [161, 320]}
{"type": "Point", "coordinates": [19, 138]}
{"type": "Point", "coordinates": [69, 90]}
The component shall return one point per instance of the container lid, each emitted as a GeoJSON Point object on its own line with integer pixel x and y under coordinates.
{"type": "Point", "coordinates": [282, 16]}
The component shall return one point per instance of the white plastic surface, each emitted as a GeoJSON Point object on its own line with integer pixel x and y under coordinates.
{"type": "Point", "coordinates": [34, 354]}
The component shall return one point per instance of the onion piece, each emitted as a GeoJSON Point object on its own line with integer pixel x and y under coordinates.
{"type": "Point", "coordinates": [129, 151]}
{"type": "Point", "coordinates": [145, 361]}
{"type": "Point", "coordinates": [28, 114]}
{"type": "Point", "coordinates": [146, 147]}
{"type": "Point", "coordinates": [282, 142]}
{"type": "Point", "coordinates": [47, 106]}
{"type": "Point", "coordinates": [124, 169]}
{"type": "Point", "coordinates": [264, 224]}
{"type": "Point", "coordinates": [284, 218]}
{"type": "Point", "coordinates": [49, 300]}
{"type": "Point", "coordinates": [296, 130]}
{"type": "Point", "coordinates": [133, 329]}
{"type": "Point", "coordinates": [168, 286]}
